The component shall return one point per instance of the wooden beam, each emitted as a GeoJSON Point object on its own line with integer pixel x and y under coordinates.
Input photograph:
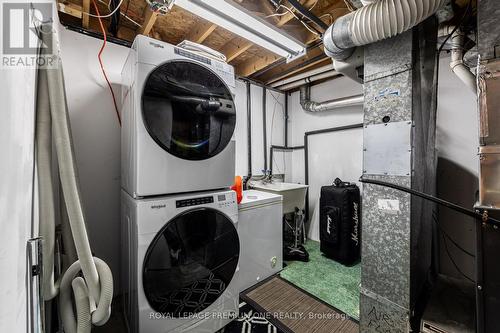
{"type": "Point", "coordinates": [311, 65]}
{"type": "Point", "coordinates": [268, 9]}
{"type": "Point", "coordinates": [70, 9]}
{"type": "Point", "coordinates": [254, 64]}
{"type": "Point", "coordinates": [288, 16]}
{"type": "Point", "coordinates": [149, 20]}
{"type": "Point", "coordinates": [235, 47]}
{"type": "Point", "coordinates": [201, 32]}
{"type": "Point", "coordinates": [85, 17]}
{"type": "Point", "coordinates": [305, 61]}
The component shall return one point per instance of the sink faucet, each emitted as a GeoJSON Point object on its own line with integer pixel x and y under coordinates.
{"type": "Point", "coordinates": [268, 177]}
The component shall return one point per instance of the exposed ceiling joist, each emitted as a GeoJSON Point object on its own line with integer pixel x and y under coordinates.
{"type": "Point", "coordinates": [268, 9]}
{"type": "Point", "coordinates": [310, 59]}
{"type": "Point", "coordinates": [252, 65]}
{"type": "Point", "coordinates": [201, 32]}
{"type": "Point", "coordinates": [85, 17]}
{"type": "Point", "coordinates": [235, 47]}
{"type": "Point", "coordinates": [289, 16]}
{"type": "Point", "coordinates": [70, 9]}
{"type": "Point", "coordinates": [149, 20]}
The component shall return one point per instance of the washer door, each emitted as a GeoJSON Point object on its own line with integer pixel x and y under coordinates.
{"type": "Point", "coordinates": [190, 262]}
{"type": "Point", "coordinates": [188, 110]}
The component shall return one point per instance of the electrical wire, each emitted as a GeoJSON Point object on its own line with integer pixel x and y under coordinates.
{"type": "Point", "coordinates": [100, 61]}
{"type": "Point", "coordinates": [462, 21]}
{"type": "Point", "coordinates": [289, 10]}
{"type": "Point", "coordinates": [453, 261]}
{"type": "Point", "coordinates": [476, 215]}
{"type": "Point", "coordinates": [435, 219]}
{"type": "Point", "coordinates": [124, 14]}
{"type": "Point", "coordinates": [103, 16]}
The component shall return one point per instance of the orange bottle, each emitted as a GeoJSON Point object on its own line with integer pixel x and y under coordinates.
{"type": "Point", "coordinates": [238, 188]}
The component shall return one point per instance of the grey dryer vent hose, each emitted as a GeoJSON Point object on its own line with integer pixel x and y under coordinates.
{"type": "Point", "coordinates": [97, 287]}
{"type": "Point", "coordinates": [50, 288]}
{"type": "Point", "coordinates": [375, 22]}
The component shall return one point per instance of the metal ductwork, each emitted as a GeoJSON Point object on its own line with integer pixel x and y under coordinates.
{"type": "Point", "coordinates": [311, 106]}
{"type": "Point", "coordinates": [375, 22]}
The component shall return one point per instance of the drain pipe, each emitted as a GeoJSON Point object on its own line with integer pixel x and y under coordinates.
{"type": "Point", "coordinates": [249, 135]}
{"type": "Point", "coordinates": [374, 22]}
{"type": "Point", "coordinates": [457, 64]}
{"type": "Point", "coordinates": [310, 106]}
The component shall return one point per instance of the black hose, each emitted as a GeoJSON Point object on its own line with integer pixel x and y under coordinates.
{"type": "Point", "coordinates": [457, 208]}
{"type": "Point", "coordinates": [304, 11]}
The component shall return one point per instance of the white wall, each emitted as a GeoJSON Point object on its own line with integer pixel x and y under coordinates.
{"type": "Point", "coordinates": [275, 123]}
{"type": "Point", "coordinates": [96, 135]}
{"type": "Point", "coordinates": [331, 155]}
{"type": "Point", "coordinates": [340, 154]}
{"type": "Point", "coordinates": [457, 142]}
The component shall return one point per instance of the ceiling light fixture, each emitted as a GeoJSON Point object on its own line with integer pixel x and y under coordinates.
{"type": "Point", "coordinates": [238, 20]}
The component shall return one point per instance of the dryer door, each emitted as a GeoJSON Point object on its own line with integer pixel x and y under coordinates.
{"type": "Point", "coordinates": [188, 110]}
{"type": "Point", "coordinates": [190, 262]}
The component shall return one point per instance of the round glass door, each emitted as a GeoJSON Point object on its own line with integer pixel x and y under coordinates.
{"type": "Point", "coordinates": [188, 110]}
{"type": "Point", "coordinates": [190, 262]}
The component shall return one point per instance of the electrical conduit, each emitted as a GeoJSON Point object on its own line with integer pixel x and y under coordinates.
{"type": "Point", "coordinates": [97, 279]}
{"type": "Point", "coordinates": [374, 22]}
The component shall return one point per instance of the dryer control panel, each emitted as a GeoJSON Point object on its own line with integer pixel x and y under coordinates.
{"type": "Point", "coordinates": [194, 202]}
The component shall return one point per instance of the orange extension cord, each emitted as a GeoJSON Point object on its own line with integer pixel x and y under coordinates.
{"type": "Point", "coordinates": [102, 66]}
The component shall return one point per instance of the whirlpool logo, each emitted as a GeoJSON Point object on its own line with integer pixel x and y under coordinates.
{"type": "Point", "coordinates": [158, 206]}
{"type": "Point", "coordinates": [355, 218]}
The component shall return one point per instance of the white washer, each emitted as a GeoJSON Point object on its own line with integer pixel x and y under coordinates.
{"type": "Point", "coordinates": [178, 120]}
{"type": "Point", "coordinates": [260, 228]}
{"type": "Point", "coordinates": [180, 262]}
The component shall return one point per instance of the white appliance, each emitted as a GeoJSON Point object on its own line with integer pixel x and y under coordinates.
{"type": "Point", "coordinates": [178, 120]}
{"type": "Point", "coordinates": [180, 262]}
{"type": "Point", "coordinates": [260, 228]}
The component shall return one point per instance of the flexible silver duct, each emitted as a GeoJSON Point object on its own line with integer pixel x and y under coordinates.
{"type": "Point", "coordinates": [310, 106]}
{"type": "Point", "coordinates": [375, 22]}
{"type": "Point", "coordinates": [96, 287]}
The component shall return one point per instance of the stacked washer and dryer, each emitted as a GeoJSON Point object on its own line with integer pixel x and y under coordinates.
{"type": "Point", "coordinates": [180, 245]}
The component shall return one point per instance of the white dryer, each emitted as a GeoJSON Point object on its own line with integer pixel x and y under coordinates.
{"type": "Point", "coordinates": [178, 120]}
{"type": "Point", "coordinates": [180, 262]}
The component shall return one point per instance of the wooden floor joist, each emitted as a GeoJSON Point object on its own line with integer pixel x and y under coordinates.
{"type": "Point", "coordinates": [149, 20]}
{"type": "Point", "coordinates": [85, 17]}
{"type": "Point", "coordinates": [201, 32]}
{"type": "Point", "coordinates": [235, 47]}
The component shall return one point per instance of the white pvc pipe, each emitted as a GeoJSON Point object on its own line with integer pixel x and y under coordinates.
{"type": "Point", "coordinates": [307, 80]}
{"type": "Point", "coordinates": [457, 64]}
{"type": "Point", "coordinates": [323, 69]}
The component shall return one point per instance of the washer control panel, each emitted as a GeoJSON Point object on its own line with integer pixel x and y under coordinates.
{"type": "Point", "coordinates": [194, 202]}
{"type": "Point", "coordinates": [225, 200]}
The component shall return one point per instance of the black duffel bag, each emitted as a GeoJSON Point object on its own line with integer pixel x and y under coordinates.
{"type": "Point", "coordinates": [340, 222]}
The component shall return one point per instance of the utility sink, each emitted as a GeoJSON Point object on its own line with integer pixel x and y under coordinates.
{"type": "Point", "coordinates": [294, 195]}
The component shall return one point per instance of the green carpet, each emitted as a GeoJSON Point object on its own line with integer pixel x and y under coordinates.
{"type": "Point", "coordinates": [326, 279]}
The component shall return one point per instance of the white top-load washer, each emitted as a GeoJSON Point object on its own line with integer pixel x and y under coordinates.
{"type": "Point", "coordinates": [260, 228]}
{"type": "Point", "coordinates": [178, 120]}
{"type": "Point", "coordinates": [180, 262]}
